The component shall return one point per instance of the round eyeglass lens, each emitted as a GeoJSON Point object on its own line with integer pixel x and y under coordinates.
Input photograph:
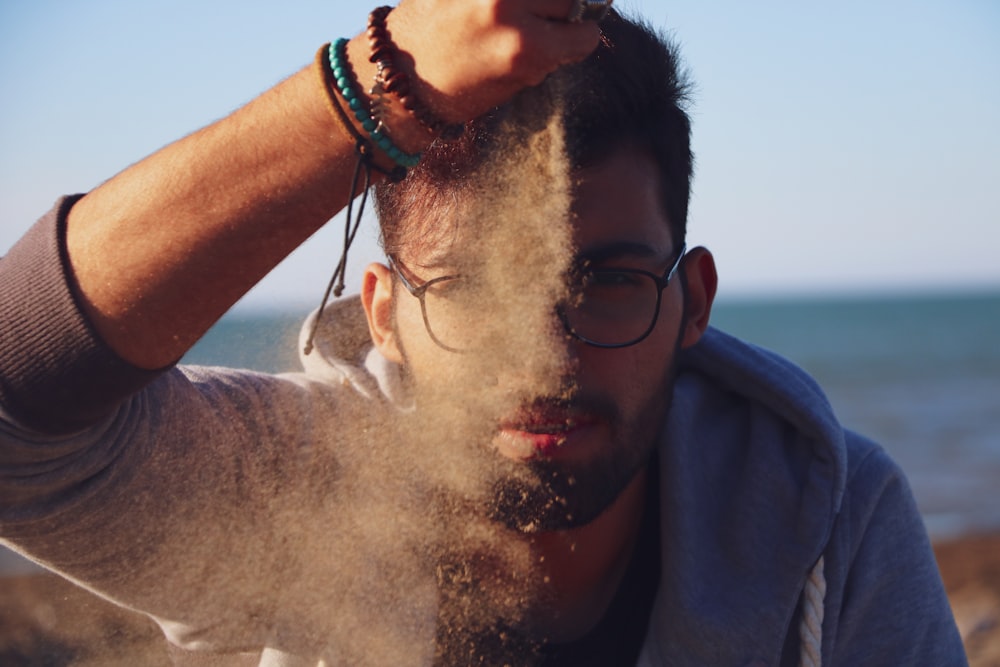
{"type": "Point", "coordinates": [613, 306]}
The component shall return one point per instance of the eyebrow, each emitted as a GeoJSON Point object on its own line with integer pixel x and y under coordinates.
{"type": "Point", "coordinates": [617, 250]}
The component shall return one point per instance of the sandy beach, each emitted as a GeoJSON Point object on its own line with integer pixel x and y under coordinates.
{"type": "Point", "coordinates": [970, 568]}
{"type": "Point", "coordinates": [45, 620]}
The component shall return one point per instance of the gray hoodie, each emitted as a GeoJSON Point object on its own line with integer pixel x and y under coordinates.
{"type": "Point", "coordinates": [218, 501]}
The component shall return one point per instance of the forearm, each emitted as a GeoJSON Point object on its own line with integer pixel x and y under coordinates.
{"type": "Point", "coordinates": [128, 277]}
{"type": "Point", "coordinates": [164, 248]}
{"type": "Point", "coordinates": [56, 376]}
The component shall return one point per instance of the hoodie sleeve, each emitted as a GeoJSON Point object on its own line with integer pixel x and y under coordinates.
{"type": "Point", "coordinates": [175, 493]}
{"type": "Point", "coordinates": [56, 374]}
{"type": "Point", "coordinates": [892, 608]}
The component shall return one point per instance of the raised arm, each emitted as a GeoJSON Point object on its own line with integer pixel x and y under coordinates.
{"type": "Point", "coordinates": [159, 252]}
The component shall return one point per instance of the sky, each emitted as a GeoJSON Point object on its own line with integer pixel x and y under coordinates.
{"type": "Point", "coordinates": [849, 147]}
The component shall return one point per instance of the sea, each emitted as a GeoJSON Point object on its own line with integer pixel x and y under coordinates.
{"type": "Point", "coordinates": [918, 373]}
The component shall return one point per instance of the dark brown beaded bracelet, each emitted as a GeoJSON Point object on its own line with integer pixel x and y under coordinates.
{"type": "Point", "coordinates": [394, 81]}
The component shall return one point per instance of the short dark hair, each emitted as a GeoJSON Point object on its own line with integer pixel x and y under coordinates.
{"type": "Point", "coordinates": [630, 92]}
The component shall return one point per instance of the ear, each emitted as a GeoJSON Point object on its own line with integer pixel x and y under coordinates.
{"type": "Point", "coordinates": [377, 299]}
{"type": "Point", "coordinates": [700, 283]}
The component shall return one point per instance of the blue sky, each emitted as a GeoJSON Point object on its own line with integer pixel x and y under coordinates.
{"type": "Point", "coordinates": [841, 147]}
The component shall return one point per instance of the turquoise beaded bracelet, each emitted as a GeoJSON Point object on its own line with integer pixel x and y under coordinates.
{"type": "Point", "coordinates": [343, 74]}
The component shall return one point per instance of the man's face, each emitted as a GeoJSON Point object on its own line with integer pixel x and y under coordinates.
{"type": "Point", "coordinates": [571, 431]}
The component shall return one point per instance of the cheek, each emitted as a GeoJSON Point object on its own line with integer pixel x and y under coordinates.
{"type": "Point", "coordinates": [630, 376]}
{"type": "Point", "coordinates": [411, 337]}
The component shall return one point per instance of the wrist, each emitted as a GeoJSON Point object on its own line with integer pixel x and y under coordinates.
{"type": "Point", "coordinates": [404, 130]}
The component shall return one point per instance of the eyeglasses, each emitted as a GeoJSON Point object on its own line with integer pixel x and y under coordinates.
{"type": "Point", "coordinates": [444, 297]}
{"type": "Point", "coordinates": [606, 307]}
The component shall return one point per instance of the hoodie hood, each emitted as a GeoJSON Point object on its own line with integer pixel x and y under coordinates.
{"type": "Point", "coordinates": [753, 470]}
{"type": "Point", "coordinates": [343, 353]}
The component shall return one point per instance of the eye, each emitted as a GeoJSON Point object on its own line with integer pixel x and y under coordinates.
{"type": "Point", "coordinates": [610, 280]}
{"type": "Point", "coordinates": [452, 288]}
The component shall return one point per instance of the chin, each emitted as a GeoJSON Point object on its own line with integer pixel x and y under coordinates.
{"type": "Point", "coordinates": [543, 496]}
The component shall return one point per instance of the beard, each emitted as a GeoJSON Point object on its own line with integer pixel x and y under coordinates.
{"type": "Point", "coordinates": [538, 494]}
{"type": "Point", "coordinates": [541, 495]}
{"type": "Point", "coordinates": [489, 581]}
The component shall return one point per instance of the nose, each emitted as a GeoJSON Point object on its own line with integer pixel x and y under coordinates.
{"type": "Point", "coordinates": [539, 359]}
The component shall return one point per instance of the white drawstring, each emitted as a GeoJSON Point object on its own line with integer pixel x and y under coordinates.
{"type": "Point", "coordinates": [811, 625]}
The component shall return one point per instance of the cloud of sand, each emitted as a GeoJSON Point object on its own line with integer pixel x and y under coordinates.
{"type": "Point", "coordinates": [420, 568]}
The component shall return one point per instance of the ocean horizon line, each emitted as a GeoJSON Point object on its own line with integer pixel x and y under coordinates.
{"type": "Point", "coordinates": [729, 297]}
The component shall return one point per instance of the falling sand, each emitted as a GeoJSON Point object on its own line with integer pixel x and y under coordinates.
{"type": "Point", "coordinates": [432, 564]}
{"type": "Point", "coordinates": [420, 552]}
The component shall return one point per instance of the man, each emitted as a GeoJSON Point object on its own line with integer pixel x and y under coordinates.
{"type": "Point", "coordinates": [524, 446]}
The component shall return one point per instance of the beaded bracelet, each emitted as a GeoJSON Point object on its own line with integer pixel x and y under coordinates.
{"type": "Point", "coordinates": [344, 78]}
{"type": "Point", "coordinates": [362, 169]}
{"type": "Point", "coordinates": [394, 81]}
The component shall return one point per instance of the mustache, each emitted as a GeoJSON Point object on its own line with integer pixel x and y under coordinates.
{"type": "Point", "coordinates": [573, 401]}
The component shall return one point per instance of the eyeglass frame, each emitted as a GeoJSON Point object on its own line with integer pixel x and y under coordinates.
{"type": "Point", "coordinates": [661, 281]}
{"type": "Point", "coordinates": [420, 292]}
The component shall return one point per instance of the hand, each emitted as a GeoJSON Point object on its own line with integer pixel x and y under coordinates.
{"type": "Point", "coordinates": [468, 56]}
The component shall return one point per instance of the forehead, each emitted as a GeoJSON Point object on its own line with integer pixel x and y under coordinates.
{"type": "Point", "coordinates": [619, 201]}
{"type": "Point", "coordinates": [615, 202]}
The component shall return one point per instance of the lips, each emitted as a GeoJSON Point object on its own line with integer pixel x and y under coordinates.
{"type": "Point", "coordinates": [542, 430]}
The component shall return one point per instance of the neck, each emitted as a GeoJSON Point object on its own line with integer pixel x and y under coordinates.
{"type": "Point", "coordinates": [583, 567]}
